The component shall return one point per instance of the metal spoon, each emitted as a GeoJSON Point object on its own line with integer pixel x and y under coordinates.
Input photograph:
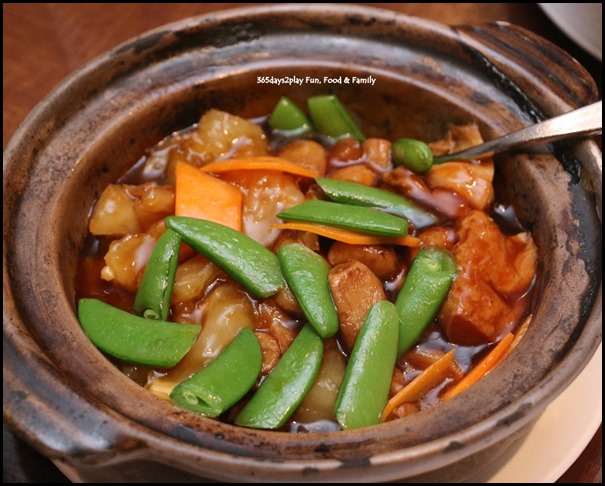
{"type": "Point", "coordinates": [581, 122]}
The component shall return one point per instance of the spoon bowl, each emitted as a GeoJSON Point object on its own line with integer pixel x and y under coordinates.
{"type": "Point", "coordinates": [584, 121]}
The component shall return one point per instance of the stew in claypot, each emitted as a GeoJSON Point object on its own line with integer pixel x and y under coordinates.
{"type": "Point", "coordinates": [289, 273]}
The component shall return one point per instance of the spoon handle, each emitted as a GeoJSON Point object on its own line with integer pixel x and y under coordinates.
{"type": "Point", "coordinates": [583, 121]}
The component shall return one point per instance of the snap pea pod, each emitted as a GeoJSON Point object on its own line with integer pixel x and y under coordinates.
{"type": "Point", "coordinates": [307, 275]}
{"type": "Point", "coordinates": [134, 338]}
{"type": "Point", "coordinates": [288, 117]}
{"type": "Point", "coordinates": [284, 388]}
{"type": "Point", "coordinates": [424, 290]}
{"type": "Point", "coordinates": [365, 388]}
{"type": "Point", "coordinates": [413, 154]}
{"type": "Point", "coordinates": [155, 290]}
{"type": "Point", "coordinates": [225, 380]}
{"type": "Point", "coordinates": [244, 259]}
{"type": "Point", "coordinates": [331, 118]}
{"type": "Point", "coordinates": [347, 192]}
{"type": "Point", "coordinates": [347, 216]}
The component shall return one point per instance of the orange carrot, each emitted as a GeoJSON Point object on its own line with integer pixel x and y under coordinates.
{"type": "Point", "coordinates": [521, 330]}
{"type": "Point", "coordinates": [419, 385]}
{"type": "Point", "coordinates": [488, 363]}
{"type": "Point", "coordinates": [350, 237]}
{"type": "Point", "coordinates": [260, 162]}
{"type": "Point", "coordinates": [201, 195]}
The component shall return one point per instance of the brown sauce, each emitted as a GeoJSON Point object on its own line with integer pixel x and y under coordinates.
{"type": "Point", "coordinates": [274, 318]}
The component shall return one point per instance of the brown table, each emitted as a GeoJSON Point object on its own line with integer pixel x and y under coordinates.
{"type": "Point", "coordinates": [45, 42]}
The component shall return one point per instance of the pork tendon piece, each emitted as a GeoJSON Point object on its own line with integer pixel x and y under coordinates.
{"type": "Point", "coordinates": [355, 289]}
{"type": "Point", "coordinates": [124, 209]}
{"type": "Point", "coordinates": [221, 135]}
{"type": "Point", "coordinates": [473, 182]}
{"type": "Point", "coordinates": [494, 271]}
{"type": "Point", "coordinates": [381, 259]}
{"type": "Point", "coordinates": [458, 137]}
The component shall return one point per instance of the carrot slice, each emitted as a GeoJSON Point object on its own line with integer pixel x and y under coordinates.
{"type": "Point", "coordinates": [521, 330]}
{"type": "Point", "coordinates": [203, 196]}
{"type": "Point", "coordinates": [350, 237]}
{"type": "Point", "coordinates": [488, 363]}
{"type": "Point", "coordinates": [419, 385]}
{"type": "Point", "coordinates": [261, 162]}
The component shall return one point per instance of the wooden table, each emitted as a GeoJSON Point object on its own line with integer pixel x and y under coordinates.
{"type": "Point", "coordinates": [45, 42]}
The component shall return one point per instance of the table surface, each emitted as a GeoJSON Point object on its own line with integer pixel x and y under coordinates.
{"type": "Point", "coordinates": [43, 43]}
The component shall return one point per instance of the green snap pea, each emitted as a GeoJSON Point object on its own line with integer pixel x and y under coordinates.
{"type": "Point", "coordinates": [424, 290]}
{"type": "Point", "coordinates": [306, 273]}
{"type": "Point", "coordinates": [244, 259]}
{"type": "Point", "coordinates": [286, 116]}
{"type": "Point", "coordinates": [134, 338]}
{"type": "Point", "coordinates": [155, 290]}
{"type": "Point", "coordinates": [331, 118]}
{"type": "Point", "coordinates": [284, 388]}
{"type": "Point", "coordinates": [347, 192]}
{"type": "Point", "coordinates": [413, 154]}
{"type": "Point", "coordinates": [365, 388]}
{"type": "Point", "coordinates": [347, 216]}
{"type": "Point", "coordinates": [225, 380]}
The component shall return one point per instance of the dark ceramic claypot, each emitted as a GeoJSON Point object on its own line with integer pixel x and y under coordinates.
{"type": "Point", "coordinates": [68, 401]}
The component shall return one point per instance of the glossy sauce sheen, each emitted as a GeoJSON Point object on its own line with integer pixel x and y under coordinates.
{"type": "Point", "coordinates": [272, 322]}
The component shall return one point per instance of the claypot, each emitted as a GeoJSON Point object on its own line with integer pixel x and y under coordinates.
{"type": "Point", "coordinates": [66, 399]}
